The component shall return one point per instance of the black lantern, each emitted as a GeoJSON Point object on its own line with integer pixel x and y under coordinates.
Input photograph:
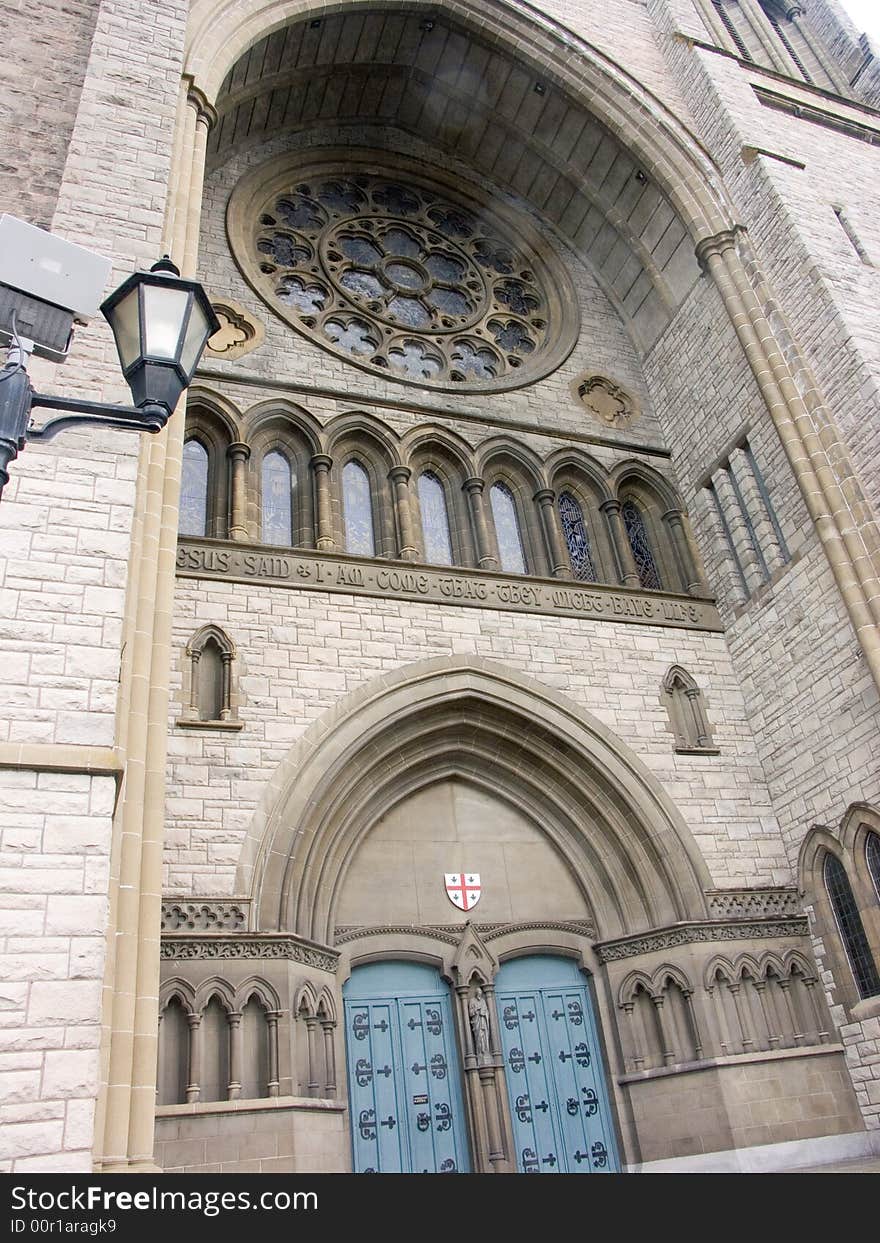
{"type": "Point", "coordinates": [161, 324]}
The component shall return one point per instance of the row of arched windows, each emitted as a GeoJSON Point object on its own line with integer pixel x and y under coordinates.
{"type": "Point", "coordinates": [592, 526]}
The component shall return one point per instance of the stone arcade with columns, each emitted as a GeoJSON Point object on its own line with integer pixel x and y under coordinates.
{"type": "Point", "coordinates": [518, 541]}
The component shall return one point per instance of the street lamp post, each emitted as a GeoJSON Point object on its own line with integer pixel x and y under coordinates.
{"type": "Point", "coordinates": [160, 323]}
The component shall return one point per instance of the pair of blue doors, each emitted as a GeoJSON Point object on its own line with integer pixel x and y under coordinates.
{"type": "Point", "coordinates": [404, 1074]}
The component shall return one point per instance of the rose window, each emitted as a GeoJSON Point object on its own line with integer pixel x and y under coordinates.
{"type": "Point", "coordinates": [397, 275]}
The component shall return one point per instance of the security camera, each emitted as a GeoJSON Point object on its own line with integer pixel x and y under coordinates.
{"type": "Point", "coordinates": [45, 284]}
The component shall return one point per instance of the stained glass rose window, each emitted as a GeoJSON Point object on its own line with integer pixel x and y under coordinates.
{"type": "Point", "coordinates": [401, 276]}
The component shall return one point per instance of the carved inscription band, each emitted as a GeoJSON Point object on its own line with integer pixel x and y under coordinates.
{"type": "Point", "coordinates": [472, 588]}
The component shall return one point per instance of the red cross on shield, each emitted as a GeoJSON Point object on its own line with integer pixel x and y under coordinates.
{"type": "Point", "coordinates": [463, 889]}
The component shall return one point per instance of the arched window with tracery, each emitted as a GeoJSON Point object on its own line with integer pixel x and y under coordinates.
{"type": "Point", "coordinates": [507, 532]}
{"type": "Point", "coordinates": [639, 542]}
{"type": "Point", "coordinates": [850, 927]}
{"type": "Point", "coordinates": [435, 519]}
{"type": "Point", "coordinates": [357, 510]}
{"type": "Point", "coordinates": [194, 489]}
{"type": "Point", "coordinates": [872, 858]}
{"type": "Point", "coordinates": [278, 483]}
{"type": "Point", "coordinates": [576, 539]}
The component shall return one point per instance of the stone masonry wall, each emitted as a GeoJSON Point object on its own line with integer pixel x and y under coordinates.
{"type": "Point", "coordinates": [54, 873]}
{"type": "Point", "coordinates": [45, 52]}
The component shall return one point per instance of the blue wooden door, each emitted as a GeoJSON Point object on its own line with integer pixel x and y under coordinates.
{"type": "Point", "coordinates": [404, 1082]}
{"type": "Point", "coordinates": [553, 1065]}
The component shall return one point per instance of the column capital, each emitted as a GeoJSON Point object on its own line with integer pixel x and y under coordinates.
{"type": "Point", "coordinates": [321, 461]}
{"type": "Point", "coordinates": [238, 451]}
{"type": "Point", "coordinates": [399, 473]}
{"type": "Point", "coordinates": [205, 110]}
{"type": "Point", "coordinates": [544, 496]}
{"type": "Point", "coordinates": [711, 247]}
{"type": "Point", "coordinates": [672, 516]}
{"type": "Point", "coordinates": [474, 484]}
{"type": "Point", "coordinates": [610, 506]}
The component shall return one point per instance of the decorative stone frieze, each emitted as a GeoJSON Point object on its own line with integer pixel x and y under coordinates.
{"type": "Point", "coordinates": [754, 903]}
{"type": "Point", "coordinates": [211, 915]}
{"type": "Point", "coordinates": [687, 934]}
{"type": "Point", "coordinates": [304, 569]}
{"type": "Point", "coordinates": [293, 949]}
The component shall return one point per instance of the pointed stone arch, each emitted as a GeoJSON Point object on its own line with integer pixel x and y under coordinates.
{"type": "Point", "coordinates": [620, 836]}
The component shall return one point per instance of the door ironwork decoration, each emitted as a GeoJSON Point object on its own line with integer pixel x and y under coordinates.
{"type": "Point", "coordinates": [555, 1078]}
{"type": "Point", "coordinates": [403, 1072]}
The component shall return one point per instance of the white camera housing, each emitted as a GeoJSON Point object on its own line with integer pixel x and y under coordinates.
{"type": "Point", "coordinates": [46, 282]}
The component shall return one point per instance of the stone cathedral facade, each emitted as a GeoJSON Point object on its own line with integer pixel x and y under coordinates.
{"type": "Point", "coordinates": [453, 744]}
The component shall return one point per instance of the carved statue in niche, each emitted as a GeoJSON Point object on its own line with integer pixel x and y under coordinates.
{"type": "Point", "coordinates": [478, 1012]}
{"type": "Point", "coordinates": [606, 401]}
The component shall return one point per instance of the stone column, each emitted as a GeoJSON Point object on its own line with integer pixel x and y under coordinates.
{"type": "Point", "coordinates": [683, 552]}
{"type": "Point", "coordinates": [746, 1038]}
{"type": "Point", "coordinates": [312, 1038]}
{"type": "Point", "coordinates": [695, 1027]}
{"type": "Point", "coordinates": [226, 688]}
{"type": "Point", "coordinates": [794, 14]}
{"type": "Point", "coordinates": [272, 1017]}
{"type": "Point", "coordinates": [194, 1065]}
{"type": "Point", "coordinates": [668, 1050]}
{"type": "Point", "coordinates": [818, 458]}
{"type": "Point", "coordinates": [233, 1091]}
{"type": "Point", "coordinates": [238, 454]}
{"type": "Point", "coordinates": [554, 542]}
{"type": "Point", "coordinates": [320, 465]}
{"type": "Point", "coordinates": [768, 38]}
{"type": "Point", "coordinates": [692, 695]}
{"type": "Point", "coordinates": [637, 1058]}
{"type": "Point", "coordinates": [327, 1029]}
{"type": "Point", "coordinates": [486, 558]}
{"type": "Point", "coordinates": [406, 542]}
{"type": "Point", "coordinates": [625, 562]}
{"type": "Point", "coordinates": [127, 1112]}
{"type": "Point", "coordinates": [760, 987]}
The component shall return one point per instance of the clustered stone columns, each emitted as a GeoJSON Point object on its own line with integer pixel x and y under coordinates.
{"type": "Point", "coordinates": [238, 454]}
{"type": "Point", "coordinates": [818, 458]}
{"type": "Point", "coordinates": [486, 558]}
{"type": "Point", "coordinates": [125, 1121]}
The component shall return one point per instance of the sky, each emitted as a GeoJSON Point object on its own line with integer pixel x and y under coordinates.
{"type": "Point", "coordinates": [865, 15]}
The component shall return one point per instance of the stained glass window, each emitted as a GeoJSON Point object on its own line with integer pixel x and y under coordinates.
{"type": "Point", "coordinates": [852, 931]}
{"type": "Point", "coordinates": [872, 855]}
{"type": "Point", "coordinates": [576, 538]}
{"type": "Point", "coordinates": [507, 529]}
{"type": "Point", "coordinates": [357, 510]}
{"type": "Point", "coordinates": [435, 520]}
{"type": "Point", "coordinates": [637, 535]}
{"type": "Point", "coordinates": [194, 490]}
{"type": "Point", "coordinates": [278, 486]}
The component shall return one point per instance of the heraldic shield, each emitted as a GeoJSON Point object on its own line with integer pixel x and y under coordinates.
{"type": "Point", "coordinates": [463, 889]}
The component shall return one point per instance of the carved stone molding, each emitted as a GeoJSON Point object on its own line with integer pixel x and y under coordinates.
{"type": "Point", "coordinates": [240, 332]}
{"type": "Point", "coordinates": [208, 915]}
{"type": "Point", "coordinates": [779, 903]}
{"type": "Point", "coordinates": [688, 934]}
{"type": "Point", "coordinates": [582, 927]}
{"type": "Point", "coordinates": [451, 934]}
{"type": "Point", "coordinates": [255, 946]}
{"type": "Point", "coordinates": [607, 402]}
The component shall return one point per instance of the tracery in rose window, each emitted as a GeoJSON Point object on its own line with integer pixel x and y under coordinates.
{"type": "Point", "coordinates": [399, 277]}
